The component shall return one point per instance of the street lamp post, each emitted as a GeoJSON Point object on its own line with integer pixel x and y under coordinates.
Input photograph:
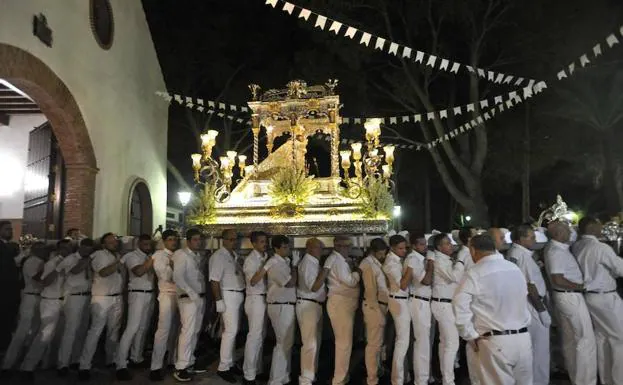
{"type": "Point", "coordinates": [184, 197]}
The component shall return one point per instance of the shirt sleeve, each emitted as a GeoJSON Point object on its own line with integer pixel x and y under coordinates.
{"type": "Point", "coordinates": [279, 273]}
{"type": "Point", "coordinates": [269, 264]}
{"type": "Point", "coordinates": [179, 277]}
{"type": "Point", "coordinates": [461, 304]}
{"type": "Point", "coordinates": [522, 264]}
{"type": "Point", "coordinates": [32, 266]}
{"type": "Point", "coordinates": [48, 268]}
{"type": "Point", "coordinates": [554, 265]}
{"type": "Point", "coordinates": [132, 260]}
{"type": "Point", "coordinates": [100, 261]}
{"type": "Point", "coordinates": [370, 290]}
{"type": "Point", "coordinates": [447, 271]}
{"type": "Point", "coordinates": [419, 269]}
{"type": "Point", "coordinates": [344, 275]}
{"type": "Point", "coordinates": [217, 267]}
{"type": "Point", "coordinates": [307, 273]}
{"type": "Point", "coordinates": [393, 272]}
{"type": "Point", "coordinates": [612, 262]}
{"type": "Point", "coordinates": [162, 268]}
{"type": "Point", "coordinates": [249, 267]}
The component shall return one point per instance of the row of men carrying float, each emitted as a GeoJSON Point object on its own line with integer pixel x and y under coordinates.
{"type": "Point", "coordinates": [497, 306]}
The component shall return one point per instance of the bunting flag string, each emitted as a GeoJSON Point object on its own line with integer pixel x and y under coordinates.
{"type": "Point", "coordinates": [212, 107]}
{"type": "Point", "coordinates": [398, 50]}
{"type": "Point", "coordinates": [449, 111]}
{"type": "Point", "coordinates": [566, 72]}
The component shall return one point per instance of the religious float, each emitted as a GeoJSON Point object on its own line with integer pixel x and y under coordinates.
{"type": "Point", "coordinates": [278, 194]}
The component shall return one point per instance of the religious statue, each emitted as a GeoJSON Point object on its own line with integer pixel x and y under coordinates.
{"type": "Point", "coordinates": [331, 84]}
{"type": "Point", "coordinates": [255, 89]}
{"type": "Point", "coordinates": [297, 89]}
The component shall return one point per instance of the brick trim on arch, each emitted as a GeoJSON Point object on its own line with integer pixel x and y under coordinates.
{"type": "Point", "coordinates": [35, 78]}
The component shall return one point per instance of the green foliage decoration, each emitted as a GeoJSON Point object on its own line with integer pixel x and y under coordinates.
{"type": "Point", "coordinates": [290, 189]}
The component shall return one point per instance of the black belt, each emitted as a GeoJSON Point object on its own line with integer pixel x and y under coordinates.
{"type": "Point", "coordinates": [37, 294]}
{"type": "Point", "coordinates": [112, 295]}
{"type": "Point", "coordinates": [310, 300]}
{"type": "Point", "coordinates": [420, 298]}
{"type": "Point", "coordinates": [382, 303]}
{"type": "Point", "coordinates": [397, 297]}
{"type": "Point", "coordinates": [281, 303]}
{"type": "Point", "coordinates": [201, 295]}
{"type": "Point", "coordinates": [600, 292]}
{"type": "Point", "coordinates": [505, 332]}
{"type": "Point", "coordinates": [444, 300]}
{"type": "Point", "coordinates": [235, 291]}
{"type": "Point", "coordinates": [568, 291]}
{"type": "Point", "coordinates": [82, 293]}
{"type": "Point", "coordinates": [140, 291]}
{"type": "Point", "coordinates": [262, 294]}
{"type": "Point", "coordinates": [55, 298]}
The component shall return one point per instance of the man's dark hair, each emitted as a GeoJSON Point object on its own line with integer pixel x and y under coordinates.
{"type": "Point", "coordinates": [520, 231]}
{"type": "Point", "coordinates": [106, 235]}
{"type": "Point", "coordinates": [279, 240]}
{"type": "Point", "coordinates": [397, 239]}
{"type": "Point", "coordinates": [63, 242]}
{"type": "Point", "coordinates": [169, 233]}
{"type": "Point", "coordinates": [88, 242]}
{"type": "Point", "coordinates": [465, 234]}
{"type": "Point", "coordinates": [438, 238]}
{"type": "Point", "coordinates": [144, 237]}
{"type": "Point", "coordinates": [191, 233]}
{"type": "Point", "coordinates": [377, 244]}
{"type": "Point", "coordinates": [415, 235]}
{"type": "Point", "coordinates": [585, 222]}
{"type": "Point", "coordinates": [483, 242]}
{"type": "Point", "coordinates": [71, 231]}
{"type": "Point", "coordinates": [228, 231]}
{"type": "Point", "coordinates": [256, 234]}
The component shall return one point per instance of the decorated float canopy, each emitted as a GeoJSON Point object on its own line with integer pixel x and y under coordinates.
{"type": "Point", "coordinates": [278, 194]}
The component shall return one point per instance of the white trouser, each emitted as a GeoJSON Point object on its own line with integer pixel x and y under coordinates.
{"type": "Point", "coordinates": [309, 316]}
{"type": "Point", "coordinates": [341, 312]}
{"type": "Point", "coordinates": [473, 365]}
{"type": "Point", "coordinates": [578, 338]}
{"type": "Point", "coordinates": [448, 339]}
{"type": "Point", "coordinates": [76, 325]}
{"type": "Point", "coordinates": [50, 310]}
{"type": "Point", "coordinates": [191, 316]}
{"type": "Point", "coordinates": [399, 308]}
{"type": "Point", "coordinates": [539, 336]}
{"type": "Point", "coordinates": [106, 311]}
{"type": "Point", "coordinates": [231, 322]}
{"type": "Point", "coordinates": [139, 314]}
{"type": "Point", "coordinates": [421, 321]}
{"type": "Point", "coordinates": [505, 360]}
{"type": "Point", "coordinates": [606, 312]}
{"type": "Point", "coordinates": [375, 320]}
{"type": "Point", "coordinates": [167, 330]}
{"type": "Point", "coordinates": [27, 328]}
{"type": "Point", "coordinates": [255, 309]}
{"type": "Point", "coordinates": [284, 325]}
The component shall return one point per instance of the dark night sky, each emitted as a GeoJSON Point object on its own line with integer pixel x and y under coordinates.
{"type": "Point", "coordinates": [214, 49]}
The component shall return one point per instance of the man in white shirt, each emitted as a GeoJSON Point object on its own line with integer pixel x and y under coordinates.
{"type": "Point", "coordinates": [465, 234]}
{"type": "Point", "coordinates": [492, 315]}
{"type": "Point", "coordinates": [77, 290]}
{"type": "Point", "coordinates": [520, 253]}
{"type": "Point", "coordinates": [342, 304]}
{"type": "Point", "coordinates": [311, 295]}
{"type": "Point", "coordinates": [106, 303]}
{"type": "Point", "coordinates": [227, 282]}
{"type": "Point", "coordinates": [578, 338]}
{"type": "Point", "coordinates": [140, 305]}
{"type": "Point", "coordinates": [375, 300]}
{"type": "Point", "coordinates": [29, 320]}
{"type": "Point", "coordinates": [280, 299]}
{"type": "Point", "coordinates": [255, 305]}
{"type": "Point", "coordinates": [398, 303]}
{"type": "Point", "coordinates": [420, 292]}
{"type": "Point", "coordinates": [446, 277]}
{"type": "Point", "coordinates": [168, 317]}
{"type": "Point", "coordinates": [191, 289]}
{"type": "Point", "coordinates": [601, 267]}
{"type": "Point", "coordinates": [50, 307]}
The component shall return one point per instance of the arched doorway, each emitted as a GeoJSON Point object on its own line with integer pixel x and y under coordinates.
{"type": "Point", "coordinates": [140, 215]}
{"type": "Point", "coordinates": [56, 102]}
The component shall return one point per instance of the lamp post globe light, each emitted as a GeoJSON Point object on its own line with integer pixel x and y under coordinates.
{"type": "Point", "coordinates": [184, 197]}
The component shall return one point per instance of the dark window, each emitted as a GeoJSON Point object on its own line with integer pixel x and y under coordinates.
{"type": "Point", "coordinates": [140, 215]}
{"type": "Point", "coordinates": [102, 22]}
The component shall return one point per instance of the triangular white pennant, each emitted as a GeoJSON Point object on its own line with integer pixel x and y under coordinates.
{"type": "Point", "coordinates": [561, 75]}
{"type": "Point", "coordinates": [178, 98]}
{"type": "Point", "coordinates": [497, 99]}
{"type": "Point", "coordinates": [393, 120]}
{"type": "Point", "coordinates": [470, 107]}
{"type": "Point", "coordinates": [365, 39]}
{"type": "Point", "coordinates": [380, 42]}
{"type": "Point", "coordinates": [221, 106]}
{"type": "Point", "coordinates": [200, 108]}
{"type": "Point", "coordinates": [621, 30]}
{"type": "Point", "coordinates": [444, 64]}
{"type": "Point", "coordinates": [468, 125]}
{"type": "Point", "coordinates": [272, 2]}
{"type": "Point", "coordinates": [508, 79]}
{"type": "Point", "coordinates": [220, 114]}
{"type": "Point", "coordinates": [452, 134]}
{"type": "Point", "coordinates": [211, 103]}
{"type": "Point", "coordinates": [320, 22]}
{"type": "Point", "coordinates": [393, 48]}
{"type": "Point", "coordinates": [484, 103]}
{"type": "Point", "coordinates": [584, 60]}
{"type": "Point", "coordinates": [491, 75]}
{"type": "Point", "coordinates": [406, 52]}
{"type": "Point", "coordinates": [238, 120]}
{"type": "Point", "coordinates": [455, 68]}
{"type": "Point", "coordinates": [419, 57]}
{"type": "Point", "coordinates": [499, 79]}
{"type": "Point", "coordinates": [470, 68]}
{"type": "Point", "coordinates": [492, 111]}
{"type": "Point", "coordinates": [430, 116]}
{"type": "Point", "coordinates": [405, 118]}
{"type": "Point", "coordinates": [350, 32]}
{"type": "Point", "coordinates": [462, 129]}
{"type": "Point", "coordinates": [230, 117]}
{"type": "Point", "coordinates": [527, 92]}
{"type": "Point", "coordinates": [479, 119]}
{"type": "Point", "coordinates": [357, 120]}
{"type": "Point", "coordinates": [531, 82]}
{"type": "Point", "coordinates": [457, 110]}
{"type": "Point", "coordinates": [431, 60]}
{"type": "Point", "coordinates": [487, 116]}
{"type": "Point", "coordinates": [512, 94]}
{"type": "Point", "coordinates": [417, 118]}
{"type": "Point", "coordinates": [481, 73]}
{"type": "Point", "coordinates": [509, 103]}
{"type": "Point", "coordinates": [597, 50]}
{"type": "Point", "coordinates": [244, 109]}
{"type": "Point", "coordinates": [288, 7]}
{"type": "Point", "coordinates": [200, 102]}
{"type": "Point", "coordinates": [518, 82]}
{"type": "Point", "coordinates": [383, 120]}
{"type": "Point", "coordinates": [443, 114]}
{"type": "Point", "coordinates": [335, 27]}
{"type": "Point", "coordinates": [501, 107]}
{"type": "Point", "coordinates": [190, 105]}
{"type": "Point", "coordinates": [612, 40]}
{"type": "Point", "coordinates": [233, 108]}
{"type": "Point", "coordinates": [571, 68]}
{"type": "Point", "coordinates": [345, 120]}
{"type": "Point", "coordinates": [445, 137]}
{"type": "Point", "coordinates": [305, 13]}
